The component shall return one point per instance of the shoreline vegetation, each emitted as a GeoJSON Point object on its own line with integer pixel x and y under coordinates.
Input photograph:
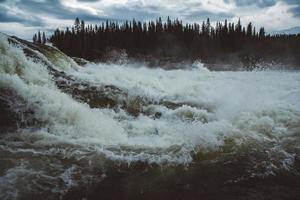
{"type": "Point", "coordinates": [173, 42]}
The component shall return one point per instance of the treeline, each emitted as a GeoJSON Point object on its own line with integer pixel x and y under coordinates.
{"type": "Point", "coordinates": [39, 38]}
{"type": "Point", "coordinates": [173, 41]}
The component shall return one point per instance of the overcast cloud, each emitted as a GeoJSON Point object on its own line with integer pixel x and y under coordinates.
{"type": "Point", "coordinates": [24, 17]}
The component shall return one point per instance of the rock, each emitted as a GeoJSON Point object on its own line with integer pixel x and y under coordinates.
{"type": "Point", "coordinates": [14, 112]}
{"type": "Point", "coordinates": [8, 117]}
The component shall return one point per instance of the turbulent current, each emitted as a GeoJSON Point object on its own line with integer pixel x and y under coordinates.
{"type": "Point", "coordinates": [108, 131]}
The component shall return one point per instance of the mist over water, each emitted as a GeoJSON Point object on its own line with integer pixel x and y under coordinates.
{"type": "Point", "coordinates": [186, 123]}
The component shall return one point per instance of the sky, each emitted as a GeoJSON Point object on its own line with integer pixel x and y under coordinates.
{"type": "Point", "coordinates": [25, 17]}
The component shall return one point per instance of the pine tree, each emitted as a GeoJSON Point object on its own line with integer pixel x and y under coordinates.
{"type": "Point", "coordinates": [158, 39]}
{"type": "Point", "coordinates": [207, 29]}
{"type": "Point", "coordinates": [39, 40]}
{"type": "Point", "coordinates": [44, 40]}
{"type": "Point", "coordinates": [261, 32]}
{"type": "Point", "coordinates": [249, 30]}
{"type": "Point", "coordinates": [77, 25]}
{"type": "Point", "coordinates": [82, 26]}
{"type": "Point", "coordinates": [239, 27]}
{"type": "Point", "coordinates": [34, 38]}
{"type": "Point", "coordinates": [225, 27]}
{"type": "Point", "coordinates": [203, 28]}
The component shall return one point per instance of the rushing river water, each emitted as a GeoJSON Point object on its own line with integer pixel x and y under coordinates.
{"type": "Point", "coordinates": [106, 131]}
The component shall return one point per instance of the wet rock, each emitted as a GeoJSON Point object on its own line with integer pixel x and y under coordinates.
{"type": "Point", "coordinates": [14, 112]}
{"type": "Point", "coordinates": [175, 105]}
{"type": "Point", "coordinates": [80, 61]}
{"type": "Point", "coordinates": [8, 118]}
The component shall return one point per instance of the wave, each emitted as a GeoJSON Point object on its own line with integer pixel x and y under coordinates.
{"type": "Point", "coordinates": [103, 113]}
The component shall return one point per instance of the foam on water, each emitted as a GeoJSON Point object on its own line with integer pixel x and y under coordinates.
{"type": "Point", "coordinates": [212, 108]}
{"type": "Point", "coordinates": [218, 104]}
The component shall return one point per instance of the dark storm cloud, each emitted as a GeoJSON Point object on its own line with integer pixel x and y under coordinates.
{"type": "Point", "coordinates": [7, 16]}
{"type": "Point", "coordinates": [202, 15]}
{"type": "Point", "coordinates": [296, 7]}
{"type": "Point", "coordinates": [296, 11]}
{"type": "Point", "coordinates": [133, 11]}
{"type": "Point", "coordinates": [259, 3]}
{"type": "Point", "coordinates": [88, 0]}
{"type": "Point", "coordinates": [268, 3]}
{"type": "Point", "coordinates": [49, 14]}
{"type": "Point", "coordinates": [35, 9]}
{"type": "Point", "coordinates": [55, 9]}
{"type": "Point", "coordinates": [151, 12]}
{"type": "Point", "coordinates": [292, 1]}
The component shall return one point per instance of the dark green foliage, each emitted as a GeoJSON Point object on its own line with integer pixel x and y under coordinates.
{"type": "Point", "coordinates": [39, 38]}
{"type": "Point", "coordinates": [249, 30]}
{"type": "Point", "coordinates": [262, 32]}
{"type": "Point", "coordinates": [174, 41]}
{"type": "Point", "coordinates": [34, 38]}
{"type": "Point", "coordinates": [44, 40]}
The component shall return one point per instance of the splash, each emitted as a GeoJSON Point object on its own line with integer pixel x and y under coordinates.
{"type": "Point", "coordinates": [155, 116]}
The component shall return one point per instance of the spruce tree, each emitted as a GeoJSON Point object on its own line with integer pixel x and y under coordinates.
{"type": "Point", "coordinates": [82, 26]}
{"type": "Point", "coordinates": [249, 30]}
{"type": "Point", "coordinates": [39, 40]}
{"type": "Point", "coordinates": [77, 25]}
{"type": "Point", "coordinates": [34, 38]}
{"type": "Point", "coordinates": [44, 40]}
{"type": "Point", "coordinates": [261, 32]}
{"type": "Point", "coordinates": [157, 39]}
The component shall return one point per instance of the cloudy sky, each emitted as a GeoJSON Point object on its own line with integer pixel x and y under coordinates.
{"type": "Point", "coordinates": [24, 17]}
